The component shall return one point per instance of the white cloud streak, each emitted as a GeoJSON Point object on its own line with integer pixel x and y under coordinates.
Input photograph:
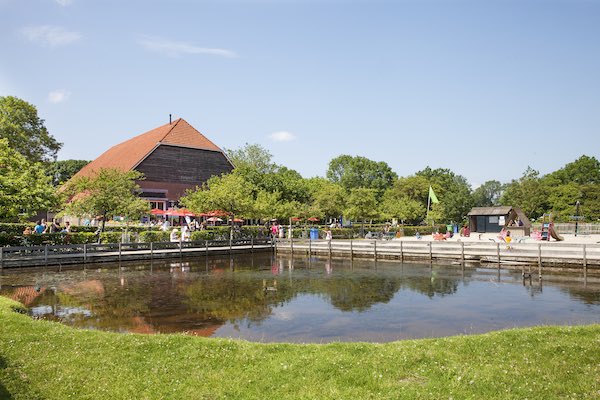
{"type": "Point", "coordinates": [177, 49]}
{"type": "Point", "coordinates": [282, 136]}
{"type": "Point", "coordinates": [50, 36]}
{"type": "Point", "coordinates": [58, 96]}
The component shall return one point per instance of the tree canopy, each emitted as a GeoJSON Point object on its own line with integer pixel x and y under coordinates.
{"type": "Point", "coordinates": [360, 172]}
{"type": "Point", "coordinates": [61, 171]}
{"type": "Point", "coordinates": [25, 130]}
{"type": "Point", "coordinates": [110, 192]}
{"type": "Point", "coordinates": [24, 187]}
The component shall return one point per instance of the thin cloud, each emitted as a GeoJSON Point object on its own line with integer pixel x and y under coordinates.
{"type": "Point", "coordinates": [58, 96]}
{"type": "Point", "coordinates": [282, 136]}
{"type": "Point", "coordinates": [177, 49]}
{"type": "Point", "coordinates": [50, 36]}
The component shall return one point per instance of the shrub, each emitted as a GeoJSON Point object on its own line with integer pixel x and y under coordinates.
{"type": "Point", "coordinates": [153, 236]}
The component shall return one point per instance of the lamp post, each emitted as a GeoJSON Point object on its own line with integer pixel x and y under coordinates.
{"type": "Point", "coordinates": [576, 216]}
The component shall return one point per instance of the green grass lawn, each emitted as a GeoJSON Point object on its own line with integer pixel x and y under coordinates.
{"type": "Point", "coordinates": [45, 360]}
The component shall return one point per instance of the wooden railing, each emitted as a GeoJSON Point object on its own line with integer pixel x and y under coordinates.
{"type": "Point", "coordinates": [83, 253]}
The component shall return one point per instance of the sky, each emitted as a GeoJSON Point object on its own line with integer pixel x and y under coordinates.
{"type": "Point", "coordinates": [483, 88]}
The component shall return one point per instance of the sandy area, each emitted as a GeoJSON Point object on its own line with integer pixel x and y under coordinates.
{"type": "Point", "coordinates": [569, 238]}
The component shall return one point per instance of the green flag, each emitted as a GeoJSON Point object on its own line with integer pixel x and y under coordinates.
{"type": "Point", "coordinates": [432, 196]}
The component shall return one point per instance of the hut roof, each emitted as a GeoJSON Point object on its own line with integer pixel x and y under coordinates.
{"type": "Point", "coordinates": [504, 210]}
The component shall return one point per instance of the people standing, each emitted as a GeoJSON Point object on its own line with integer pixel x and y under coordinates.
{"type": "Point", "coordinates": [40, 227]}
{"type": "Point", "coordinates": [328, 234]}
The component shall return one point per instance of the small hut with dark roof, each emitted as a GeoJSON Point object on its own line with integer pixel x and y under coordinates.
{"type": "Point", "coordinates": [173, 157]}
{"type": "Point", "coordinates": [494, 219]}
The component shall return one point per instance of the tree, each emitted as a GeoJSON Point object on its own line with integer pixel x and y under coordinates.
{"type": "Point", "coordinates": [328, 199]}
{"type": "Point", "coordinates": [583, 171]}
{"type": "Point", "coordinates": [395, 205]}
{"type": "Point", "coordinates": [362, 205]}
{"type": "Point", "coordinates": [360, 172]}
{"type": "Point", "coordinates": [62, 171]}
{"type": "Point", "coordinates": [24, 187]}
{"type": "Point", "coordinates": [230, 193]}
{"type": "Point", "coordinates": [453, 191]}
{"type": "Point", "coordinates": [527, 193]}
{"type": "Point", "coordinates": [488, 194]}
{"type": "Point", "coordinates": [252, 156]}
{"type": "Point", "coordinates": [109, 192]}
{"type": "Point", "coordinates": [25, 131]}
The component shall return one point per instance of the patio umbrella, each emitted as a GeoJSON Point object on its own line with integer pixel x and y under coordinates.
{"type": "Point", "coordinates": [156, 211]}
{"type": "Point", "coordinates": [214, 219]}
{"type": "Point", "coordinates": [313, 219]}
{"type": "Point", "coordinates": [296, 219]}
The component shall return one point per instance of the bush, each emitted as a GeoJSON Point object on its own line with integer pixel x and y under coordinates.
{"type": "Point", "coordinates": [153, 236]}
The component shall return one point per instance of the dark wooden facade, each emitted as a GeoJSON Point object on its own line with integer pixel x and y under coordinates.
{"type": "Point", "coordinates": [170, 170]}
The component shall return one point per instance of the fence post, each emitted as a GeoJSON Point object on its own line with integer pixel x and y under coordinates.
{"type": "Point", "coordinates": [540, 255]}
{"type": "Point", "coordinates": [498, 253]}
{"type": "Point", "coordinates": [120, 251]}
{"type": "Point", "coordinates": [430, 252]}
{"type": "Point", "coordinates": [252, 244]}
{"type": "Point", "coordinates": [230, 245]}
{"type": "Point", "coordinates": [462, 253]}
{"type": "Point", "coordinates": [84, 253]}
{"type": "Point", "coordinates": [309, 247]}
{"type": "Point", "coordinates": [152, 250]}
{"type": "Point", "coordinates": [375, 250]}
{"type": "Point", "coordinates": [1, 258]}
{"type": "Point", "coordinates": [292, 244]}
{"type": "Point", "coordinates": [46, 254]}
{"type": "Point", "coordinates": [584, 261]}
{"type": "Point", "coordinates": [206, 245]}
{"type": "Point", "coordinates": [329, 248]}
{"type": "Point", "coordinates": [351, 250]}
{"type": "Point", "coordinates": [401, 251]}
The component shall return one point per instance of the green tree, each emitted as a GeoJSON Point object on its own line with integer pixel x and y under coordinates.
{"type": "Point", "coordinates": [25, 131]}
{"type": "Point", "coordinates": [583, 171]}
{"type": "Point", "coordinates": [109, 192]}
{"type": "Point", "coordinates": [488, 194]}
{"type": "Point", "coordinates": [362, 205]}
{"type": "Point", "coordinates": [360, 172]}
{"type": "Point", "coordinates": [396, 205]}
{"type": "Point", "coordinates": [62, 171]}
{"type": "Point", "coordinates": [24, 187]}
{"type": "Point", "coordinates": [327, 199]}
{"type": "Point", "coordinates": [229, 192]}
{"type": "Point", "coordinates": [453, 192]}
{"type": "Point", "coordinates": [527, 193]}
{"type": "Point", "coordinates": [252, 156]}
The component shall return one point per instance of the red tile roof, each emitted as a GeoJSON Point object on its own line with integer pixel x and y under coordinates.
{"type": "Point", "coordinates": [127, 155]}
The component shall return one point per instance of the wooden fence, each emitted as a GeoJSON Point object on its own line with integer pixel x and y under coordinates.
{"type": "Point", "coordinates": [580, 257]}
{"type": "Point", "coordinates": [22, 256]}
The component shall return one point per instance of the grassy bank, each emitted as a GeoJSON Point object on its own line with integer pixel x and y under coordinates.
{"type": "Point", "coordinates": [46, 360]}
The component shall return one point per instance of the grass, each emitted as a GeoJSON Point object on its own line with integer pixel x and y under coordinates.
{"type": "Point", "coordinates": [45, 360]}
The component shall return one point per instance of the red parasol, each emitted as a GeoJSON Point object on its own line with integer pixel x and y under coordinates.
{"type": "Point", "coordinates": [296, 219]}
{"type": "Point", "coordinates": [313, 219]}
{"type": "Point", "coordinates": [156, 211]}
{"type": "Point", "coordinates": [180, 212]}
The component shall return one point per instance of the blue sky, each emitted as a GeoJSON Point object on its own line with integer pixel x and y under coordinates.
{"type": "Point", "coordinates": [482, 88]}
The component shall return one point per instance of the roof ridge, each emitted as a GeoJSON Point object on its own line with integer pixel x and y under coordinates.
{"type": "Point", "coordinates": [170, 129]}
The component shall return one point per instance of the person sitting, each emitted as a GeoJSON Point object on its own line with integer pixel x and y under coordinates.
{"type": "Point", "coordinates": [466, 231]}
{"type": "Point", "coordinates": [174, 236]}
{"type": "Point", "coordinates": [27, 231]}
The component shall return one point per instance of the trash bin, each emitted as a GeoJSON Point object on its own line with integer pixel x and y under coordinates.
{"type": "Point", "coordinates": [314, 234]}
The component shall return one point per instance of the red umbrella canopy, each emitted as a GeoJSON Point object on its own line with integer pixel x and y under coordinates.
{"type": "Point", "coordinates": [296, 219]}
{"type": "Point", "coordinates": [179, 212]}
{"type": "Point", "coordinates": [156, 211]}
{"type": "Point", "coordinates": [313, 219]}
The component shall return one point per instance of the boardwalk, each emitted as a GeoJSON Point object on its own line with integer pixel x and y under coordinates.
{"type": "Point", "coordinates": [28, 256]}
{"type": "Point", "coordinates": [577, 257]}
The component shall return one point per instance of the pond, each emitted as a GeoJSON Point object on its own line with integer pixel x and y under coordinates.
{"type": "Point", "coordinates": [269, 298]}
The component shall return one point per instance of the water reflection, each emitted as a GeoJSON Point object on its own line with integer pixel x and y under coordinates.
{"type": "Point", "coordinates": [271, 298]}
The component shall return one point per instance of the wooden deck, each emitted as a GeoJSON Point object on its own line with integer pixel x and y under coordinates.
{"type": "Point", "coordinates": [582, 258]}
{"type": "Point", "coordinates": [33, 256]}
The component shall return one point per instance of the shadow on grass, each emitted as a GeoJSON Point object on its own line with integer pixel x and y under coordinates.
{"type": "Point", "coordinates": [4, 393]}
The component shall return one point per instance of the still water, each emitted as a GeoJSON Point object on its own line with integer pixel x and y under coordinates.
{"type": "Point", "coordinates": [270, 298]}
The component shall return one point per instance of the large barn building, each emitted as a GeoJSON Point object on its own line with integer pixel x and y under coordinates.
{"type": "Point", "coordinates": [173, 158]}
